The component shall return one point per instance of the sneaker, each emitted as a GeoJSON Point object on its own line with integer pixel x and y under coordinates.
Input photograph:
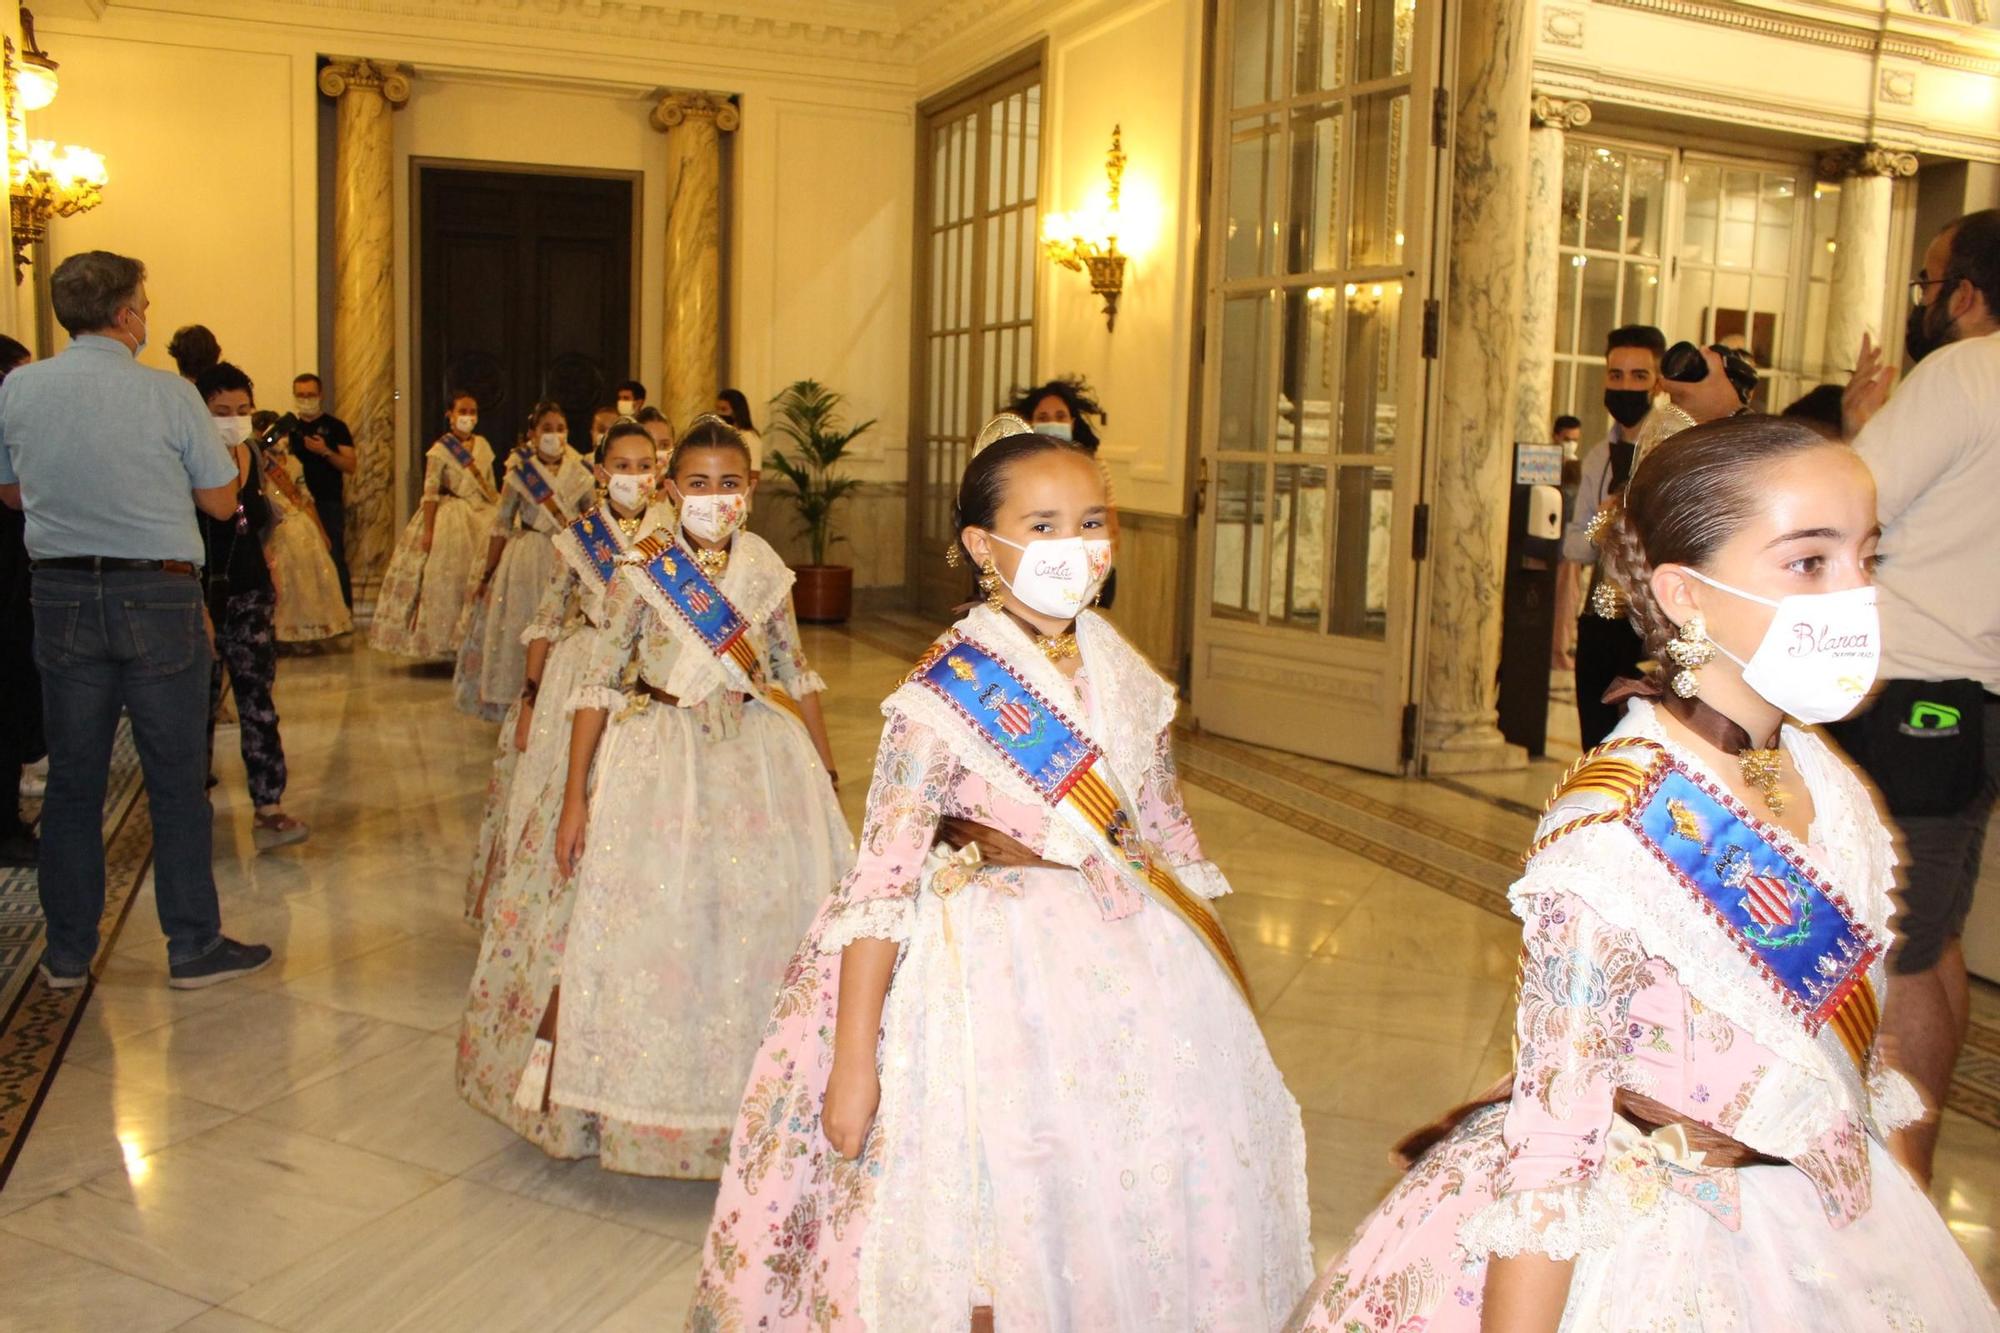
{"type": "Point", "coordinates": [278, 829]}
{"type": "Point", "coordinates": [227, 961]}
{"type": "Point", "coordinates": [61, 978]}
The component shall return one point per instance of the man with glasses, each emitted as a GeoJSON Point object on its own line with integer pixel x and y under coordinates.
{"type": "Point", "coordinates": [1932, 739]}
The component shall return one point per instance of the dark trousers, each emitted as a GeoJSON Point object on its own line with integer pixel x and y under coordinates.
{"type": "Point", "coordinates": [21, 740]}
{"type": "Point", "coordinates": [1605, 651]}
{"type": "Point", "coordinates": [333, 517]}
{"type": "Point", "coordinates": [132, 643]}
{"type": "Point", "coordinates": [245, 643]}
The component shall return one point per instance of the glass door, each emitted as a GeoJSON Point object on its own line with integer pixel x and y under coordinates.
{"type": "Point", "coordinates": [979, 163]}
{"type": "Point", "coordinates": [1316, 376]}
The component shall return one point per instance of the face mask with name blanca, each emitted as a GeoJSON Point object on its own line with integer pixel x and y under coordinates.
{"type": "Point", "coordinates": [1819, 657]}
{"type": "Point", "coordinates": [1058, 576]}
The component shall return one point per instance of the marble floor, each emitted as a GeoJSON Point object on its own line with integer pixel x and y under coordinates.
{"type": "Point", "coordinates": [287, 1152]}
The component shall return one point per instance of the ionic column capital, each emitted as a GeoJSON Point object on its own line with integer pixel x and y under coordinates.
{"type": "Point", "coordinates": [339, 77]}
{"type": "Point", "coordinates": [1551, 111]}
{"type": "Point", "coordinates": [1866, 159]}
{"type": "Point", "coordinates": [677, 108]}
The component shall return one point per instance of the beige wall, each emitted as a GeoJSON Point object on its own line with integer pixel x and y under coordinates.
{"type": "Point", "coordinates": [211, 161]}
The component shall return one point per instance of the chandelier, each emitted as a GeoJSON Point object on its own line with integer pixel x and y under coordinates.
{"type": "Point", "coordinates": [43, 181]}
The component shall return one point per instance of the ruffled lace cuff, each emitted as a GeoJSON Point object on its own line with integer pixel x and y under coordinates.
{"type": "Point", "coordinates": [595, 696]}
{"type": "Point", "coordinates": [536, 630]}
{"type": "Point", "coordinates": [1893, 1101]}
{"type": "Point", "coordinates": [801, 683]}
{"type": "Point", "coordinates": [866, 919]}
{"type": "Point", "coordinates": [1561, 1221]}
{"type": "Point", "coordinates": [1202, 877]}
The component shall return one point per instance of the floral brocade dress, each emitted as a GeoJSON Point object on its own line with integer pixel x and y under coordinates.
{"type": "Point", "coordinates": [514, 890]}
{"type": "Point", "coordinates": [1080, 1125]}
{"type": "Point", "coordinates": [424, 593]}
{"type": "Point", "coordinates": [713, 834]}
{"type": "Point", "coordinates": [1630, 985]}
{"type": "Point", "coordinates": [492, 656]}
{"type": "Point", "coordinates": [309, 605]}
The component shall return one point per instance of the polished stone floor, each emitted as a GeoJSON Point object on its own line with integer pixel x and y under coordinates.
{"type": "Point", "coordinates": [287, 1152]}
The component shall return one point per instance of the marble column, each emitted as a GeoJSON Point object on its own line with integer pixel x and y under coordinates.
{"type": "Point", "coordinates": [1858, 292]}
{"type": "Point", "coordinates": [694, 124]}
{"type": "Point", "coordinates": [1550, 118]}
{"type": "Point", "coordinates": [1481, 358]}
{"type": "Point", "coordinates": [366, 92]}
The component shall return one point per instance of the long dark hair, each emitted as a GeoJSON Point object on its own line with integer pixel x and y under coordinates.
{"type": "Point", "coordinates": [1076, 395]}
{"type": "Point", "coordinates": [739, 409]}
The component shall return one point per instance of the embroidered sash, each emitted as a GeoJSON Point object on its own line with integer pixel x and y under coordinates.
{"type": "Point", "coordinates": [527, 477]}
{"type": "Point", "coordinates": [281, 481]}
{"type": "Point", "coordinates": [676, 586]}
{"type": "Point", "coordinates": [1068, 771]}
{"type": "Point", "coordinates": [461, 454]}
{"type": "Point", "coordinates": [591, 546]}
{"type": "Point", "coordinates": [1795, 930]}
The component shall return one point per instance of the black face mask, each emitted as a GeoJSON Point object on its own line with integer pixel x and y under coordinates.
{"type": "Point", "coordinates": [1628, 407]}
{"type": "Point", "coordinates": [1920, 338]}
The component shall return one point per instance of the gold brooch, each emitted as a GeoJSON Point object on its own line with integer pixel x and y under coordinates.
{"type": "Point", "coordinates": [1761, 769]}
{"type": "Point", "coordinates": [712, 563]}
{"type": "Point", "coordinates": [1056, 647]}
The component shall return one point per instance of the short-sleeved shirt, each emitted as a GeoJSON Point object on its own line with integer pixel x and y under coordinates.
{"type": "Point", "coordinates": [107, 454]}
{"type": "Point", "coordinates": [1935, 451]}
{"type": "Point", "coordinates": [324, 481]}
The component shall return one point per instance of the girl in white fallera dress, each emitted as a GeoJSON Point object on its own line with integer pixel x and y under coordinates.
{"type": "Point", "coordinates": [436, 563]}
{"type": "Point", "coordinates": [704, 840]}
{"type": "Point", "coordinates": [546, 488]}
{"type": "Point", "coordinates": [309, 606]}
{"type": "Point", "coordinates": [1020, 1087]}
{"type": "Point", "coordinates": [525, 903]}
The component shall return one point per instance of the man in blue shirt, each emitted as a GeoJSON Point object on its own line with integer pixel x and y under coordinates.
{"type": "Point", "coordinates": [109, 461]}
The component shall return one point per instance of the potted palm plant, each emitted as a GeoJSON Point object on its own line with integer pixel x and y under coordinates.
{"type": "Point", "coordinates": [807, 418]}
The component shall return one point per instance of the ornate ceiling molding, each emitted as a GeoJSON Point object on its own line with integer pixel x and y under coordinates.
{"type": "Point", "coordinates": [1863, 35]}
{"type": "Point", "coordinates": [1866, 159]}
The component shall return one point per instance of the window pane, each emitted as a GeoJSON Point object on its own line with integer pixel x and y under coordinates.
{"type": "Point", "coordinates": [1031, 145]}
{"type": "Point", "coordinates": [1736, 233]}
{"type": "Point", "coordinates": [1319, 46]}
{"type": "Point", "coordinates": [1577, 157]}
{"type": "Point", "coordinates": [1309, 387]}
{"type": "Point", "coordinates": [1604, 201]}
{"type": "Point", "coordinates": [1698, 224]}
{"type": "Point", "coordinates": [1245, 355]}
{"type": "Point", "coordinates": [1776, 208]}
{"type": "Point", "coordinates": [1369, 367]}
{"type": "Point", "coordinates": [1364, 510]}
{"type": "Point", "coordinates": [1298, 546]}
{"type": "Point", "coordinates": [1646, 206]}
{"type": "Point", "coordinates": [1253, 188]}
{"type": "Point", "coordinates": [1382, 32]}
{"type": "Point", "coordinates": [1253, 70]}
{"type": "Point", "coordinates": [1567, 273]}
{"type": "Point", "coordinates": [1315, 180]}
{"type": "Point", "coordinates": [1239, 539]}
{"type": "Point", "coordinates": [1381, 123]}
{"type": "Point", "coordinates": [1642, 295]}
{"type": "Point", "coordinates": [1598, 313]}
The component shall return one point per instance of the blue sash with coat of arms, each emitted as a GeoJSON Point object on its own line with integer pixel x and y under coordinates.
{"type": "Point", "coordinates": [680, 583]}
{"type": "Point", "coordinates": [599, 541]}
{"type": "Point", "coordinates": [527, 474]}
{"type": "Point", "coordinates": [1796, 930]}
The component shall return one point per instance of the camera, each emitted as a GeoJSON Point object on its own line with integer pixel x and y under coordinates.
{"type": "Point", "coordinates": [1684, 364]}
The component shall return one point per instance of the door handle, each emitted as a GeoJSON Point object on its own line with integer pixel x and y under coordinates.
{"type": "Point", "coordinates": [1201, 488]}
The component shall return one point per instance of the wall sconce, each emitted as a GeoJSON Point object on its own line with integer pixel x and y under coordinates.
{"type": "Point", "coordinates": [1087, 241]}
{"type": "Point", "coordinates": [42, 181]}
{"type": "Point", "coordinates": [35, 76]}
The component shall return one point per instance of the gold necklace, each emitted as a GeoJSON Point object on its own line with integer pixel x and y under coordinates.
{"type": "Point", "coordinates": [1055, 647]}
{"type": "Point", "coordinates": [711, 563]}
{"type": "Point", "coordinates": [628, 526]}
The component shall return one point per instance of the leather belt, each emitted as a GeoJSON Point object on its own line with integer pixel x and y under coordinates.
{"type": "Point", "coordinates": [673, 701]}
{"type": "Point", "coordinates": [113, 564]}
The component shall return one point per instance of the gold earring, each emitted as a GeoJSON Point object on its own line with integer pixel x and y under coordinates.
{"type": "Point", "coordinates": [952, 559]}
{"type": "Point", "coordinates": [989, 583]}
{"type": "Point", "coordinates": [1691, 650]}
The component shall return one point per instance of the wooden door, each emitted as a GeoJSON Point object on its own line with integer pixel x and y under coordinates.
{"type": "Point", "coordinates": [525, 292]}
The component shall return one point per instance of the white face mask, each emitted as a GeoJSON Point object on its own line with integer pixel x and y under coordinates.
{"type": "Point", "coordinates": [713, 517]}
{"type": "Point", "coordinates": [464, 423]}
{"type": "Point", "coordinates": [233, 430]}
{"type": "Point", "coordinates": [1061, 430]}
{"type": "Point", "coordinates": [1058, 576]}
{"type": "Point", "coordinates": [626, 407]}
{"type": "Point", "coordinates": [551, 445]}
{"type": "Point", "coordinates": [1819, 657]}
{"type": "Point", "coordinates": [628, 490]}
{"type": "Point", "coordinates": [306, 407]}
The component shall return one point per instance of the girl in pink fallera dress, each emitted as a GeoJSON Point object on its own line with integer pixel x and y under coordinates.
{"type": "Point", "coordinates": [1692, 1138]}
{"type": "Point", "coordinates": [1023, 1090]}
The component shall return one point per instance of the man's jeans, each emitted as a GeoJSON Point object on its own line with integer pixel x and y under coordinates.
{"type": "Point", "coordinates": [132, 642]}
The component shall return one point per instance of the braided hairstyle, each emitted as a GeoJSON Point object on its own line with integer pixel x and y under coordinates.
{"type": "Point", "coordinates": [1688, 497]}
